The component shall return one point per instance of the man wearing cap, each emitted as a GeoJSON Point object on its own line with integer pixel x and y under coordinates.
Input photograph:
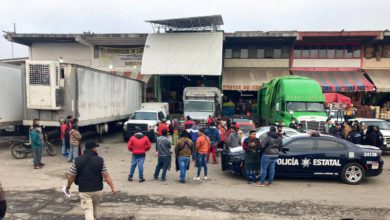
{"type": "Point", "coordinates": [88, 172]}
{"type": "Point", "coordinates": [138, 145]}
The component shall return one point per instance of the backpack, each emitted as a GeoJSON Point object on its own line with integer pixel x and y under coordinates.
{"type": "Point", "coordinates": [194, 136]}
{"type": "Point", "coordinates": [213, 135]}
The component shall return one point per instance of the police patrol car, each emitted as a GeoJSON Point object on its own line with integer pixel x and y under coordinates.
{"type": "Point", "coordinates": [317, 156]}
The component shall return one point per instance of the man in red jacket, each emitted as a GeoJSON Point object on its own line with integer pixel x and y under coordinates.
{"type": "Point", "coordinates": [138, 145]}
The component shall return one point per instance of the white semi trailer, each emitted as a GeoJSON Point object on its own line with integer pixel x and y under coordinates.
{"type": "Point", "coordinates": [11, 107]}
{"type": "Point", "coordinates": [201, 102]}
{"type": "Point", "coordinates": [96, 98]}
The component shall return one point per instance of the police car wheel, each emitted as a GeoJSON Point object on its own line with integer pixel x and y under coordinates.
{"type": "Point", "coordinates": [353, 173]}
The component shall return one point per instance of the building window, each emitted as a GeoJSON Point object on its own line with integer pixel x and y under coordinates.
{"type": "Point", "coordinates": [96, 52]}
{"type": "Point", "coordinates": [348, 51]}
{"type": "Point", "coordinates": [269, 52]}
{"type": "Point", "coordinates": [252, 52]}
{"type": "Point", "coordinates": [356, 53]}
{"type": "Point", "coordinates": [236, 52]}
{"type": "Point", "coordinates": [339, 52]}
{"type": "Point", "coordinates": [285, 52]}
{"type": "Point", "coordinates": [313, 52]}
{"type": "Point", "coordinates": [305, 52]}
{"type": "Point", "coordinates": [327, 52]}
{"type": "Point", "coordinates": [322, 52]}
{"type": "Point", "coordinates": [297, 52]}
{"type": "Point", "coordinates": [228, 53]}
{"type": "Point", "coordinates": [277, 53]}
{"type": "Point", "coordinates": [260, 53]}
{"type": "Point", "coordinates": [331, 52]}
{"type": "Point", "coordinates": [244, 53]}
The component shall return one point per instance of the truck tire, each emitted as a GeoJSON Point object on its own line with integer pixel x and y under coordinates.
{"type": "Point", "coordinates": [352, 173]}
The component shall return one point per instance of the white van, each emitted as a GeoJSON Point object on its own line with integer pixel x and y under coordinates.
{"type": "Point", "coordinates": [158, 106]}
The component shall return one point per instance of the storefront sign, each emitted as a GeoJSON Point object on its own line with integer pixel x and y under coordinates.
{"type": "Point", "coordinates": [241, 87]}
{"type": "Point", "coordinates": [120, 57]}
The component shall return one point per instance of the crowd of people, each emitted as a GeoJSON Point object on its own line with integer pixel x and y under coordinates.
{"type": "Point", "coordinates": [355, 132]}
{"type": "Point", "coordinates": [192, 142]}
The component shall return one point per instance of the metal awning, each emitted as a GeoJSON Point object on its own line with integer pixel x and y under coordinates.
{"type": "Point", "coordinates": [380, 78]}
{"type": "Point", "coordinates": [183, 54]}
{"type": "Point", "coordinates": [249, 79]}
{"type": "Point", "coordinates": [190, 22]}
{"type": "Point", "coordinates": [339, 81]}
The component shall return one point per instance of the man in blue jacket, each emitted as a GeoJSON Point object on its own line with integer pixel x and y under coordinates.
{"type": "Point", "coordinates": [213, 134]}
{"type": "Point", "coordinates": [36, 145]}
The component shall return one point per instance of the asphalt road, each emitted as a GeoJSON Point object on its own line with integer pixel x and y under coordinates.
{"type": "Point", "coordinates": [36, 194]}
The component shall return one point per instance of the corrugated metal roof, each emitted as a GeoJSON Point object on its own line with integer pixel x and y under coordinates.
{"type": "Point", "coordinates": [85, 38]}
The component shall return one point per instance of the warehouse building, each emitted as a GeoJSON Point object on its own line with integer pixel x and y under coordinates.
{"type": "Point", "coordinates": [196, 52]}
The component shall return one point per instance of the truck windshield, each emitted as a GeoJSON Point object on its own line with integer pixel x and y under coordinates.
{"type": "Point", "coordinates": [198, 106]}
{"type": "Point", "coordinates": [144, 116]}
{"type": "Point", "coordinates": [305, 106]}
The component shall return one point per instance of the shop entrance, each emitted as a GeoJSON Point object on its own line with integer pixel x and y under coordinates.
{"type": "Point", "coordinates": [171, 88]}
{"type": "Point", "coordinates": [239, 102]}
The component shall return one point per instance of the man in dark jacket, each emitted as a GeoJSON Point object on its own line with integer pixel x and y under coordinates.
{"type": "Point", "coordinates": [183, 152]}
{"type": "Point", "coordinates": [271, 147]}
{"type": "Point", "coordinates": [336, 131]}
{"type": "Point", "coordinates": [371, 136]}
{"type": "Point", "coordinates": [164, 155]}
{"type": "Point", "coordinates": [251, 146]}
{"type": "Point", "coordinates": [88, 171]}
{"type": "Point", "coordinates": [355, 136]}
{"type": "Point", "coordinates": [379, 137]}
{"type": "Point", "coordinates": [138, 145]}
{"type": "Point", "coordinates": [293, 124]}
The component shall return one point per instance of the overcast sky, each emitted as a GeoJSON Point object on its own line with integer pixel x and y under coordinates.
{"type": "Point", "coordinates": [127, 16]}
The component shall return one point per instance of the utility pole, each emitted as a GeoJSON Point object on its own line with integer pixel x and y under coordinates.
{"type": "Point", "coordinates": [12, 44]}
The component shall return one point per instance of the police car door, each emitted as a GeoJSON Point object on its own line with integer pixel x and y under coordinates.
{"type": "Point", "coordinates": [329, 157]}
{"type": "Point", "coordinates": [296, 160]}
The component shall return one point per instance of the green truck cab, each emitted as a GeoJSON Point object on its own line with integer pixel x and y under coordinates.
{"type": "Point", "coordinates": [288, 97]}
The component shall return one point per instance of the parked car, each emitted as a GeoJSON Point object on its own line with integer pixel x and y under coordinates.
{"type": "Point", "coordinates": [384, 128]}
{"type": "Point", "coordinates": [261, 132]}
{"type": "Point", "coordinates": [321, 157]}
{"type": "Point", "coordinates": [245, 124]}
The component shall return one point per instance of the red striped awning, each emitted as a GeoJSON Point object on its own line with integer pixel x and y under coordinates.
{"type": "Point", "coordinates": [339, 81]}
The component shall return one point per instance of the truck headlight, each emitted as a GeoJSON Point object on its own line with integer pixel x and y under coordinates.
{"type": "Point", "coordinates": [125, 126]}
{"type": "Point", "coordinates": [151, 127]}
